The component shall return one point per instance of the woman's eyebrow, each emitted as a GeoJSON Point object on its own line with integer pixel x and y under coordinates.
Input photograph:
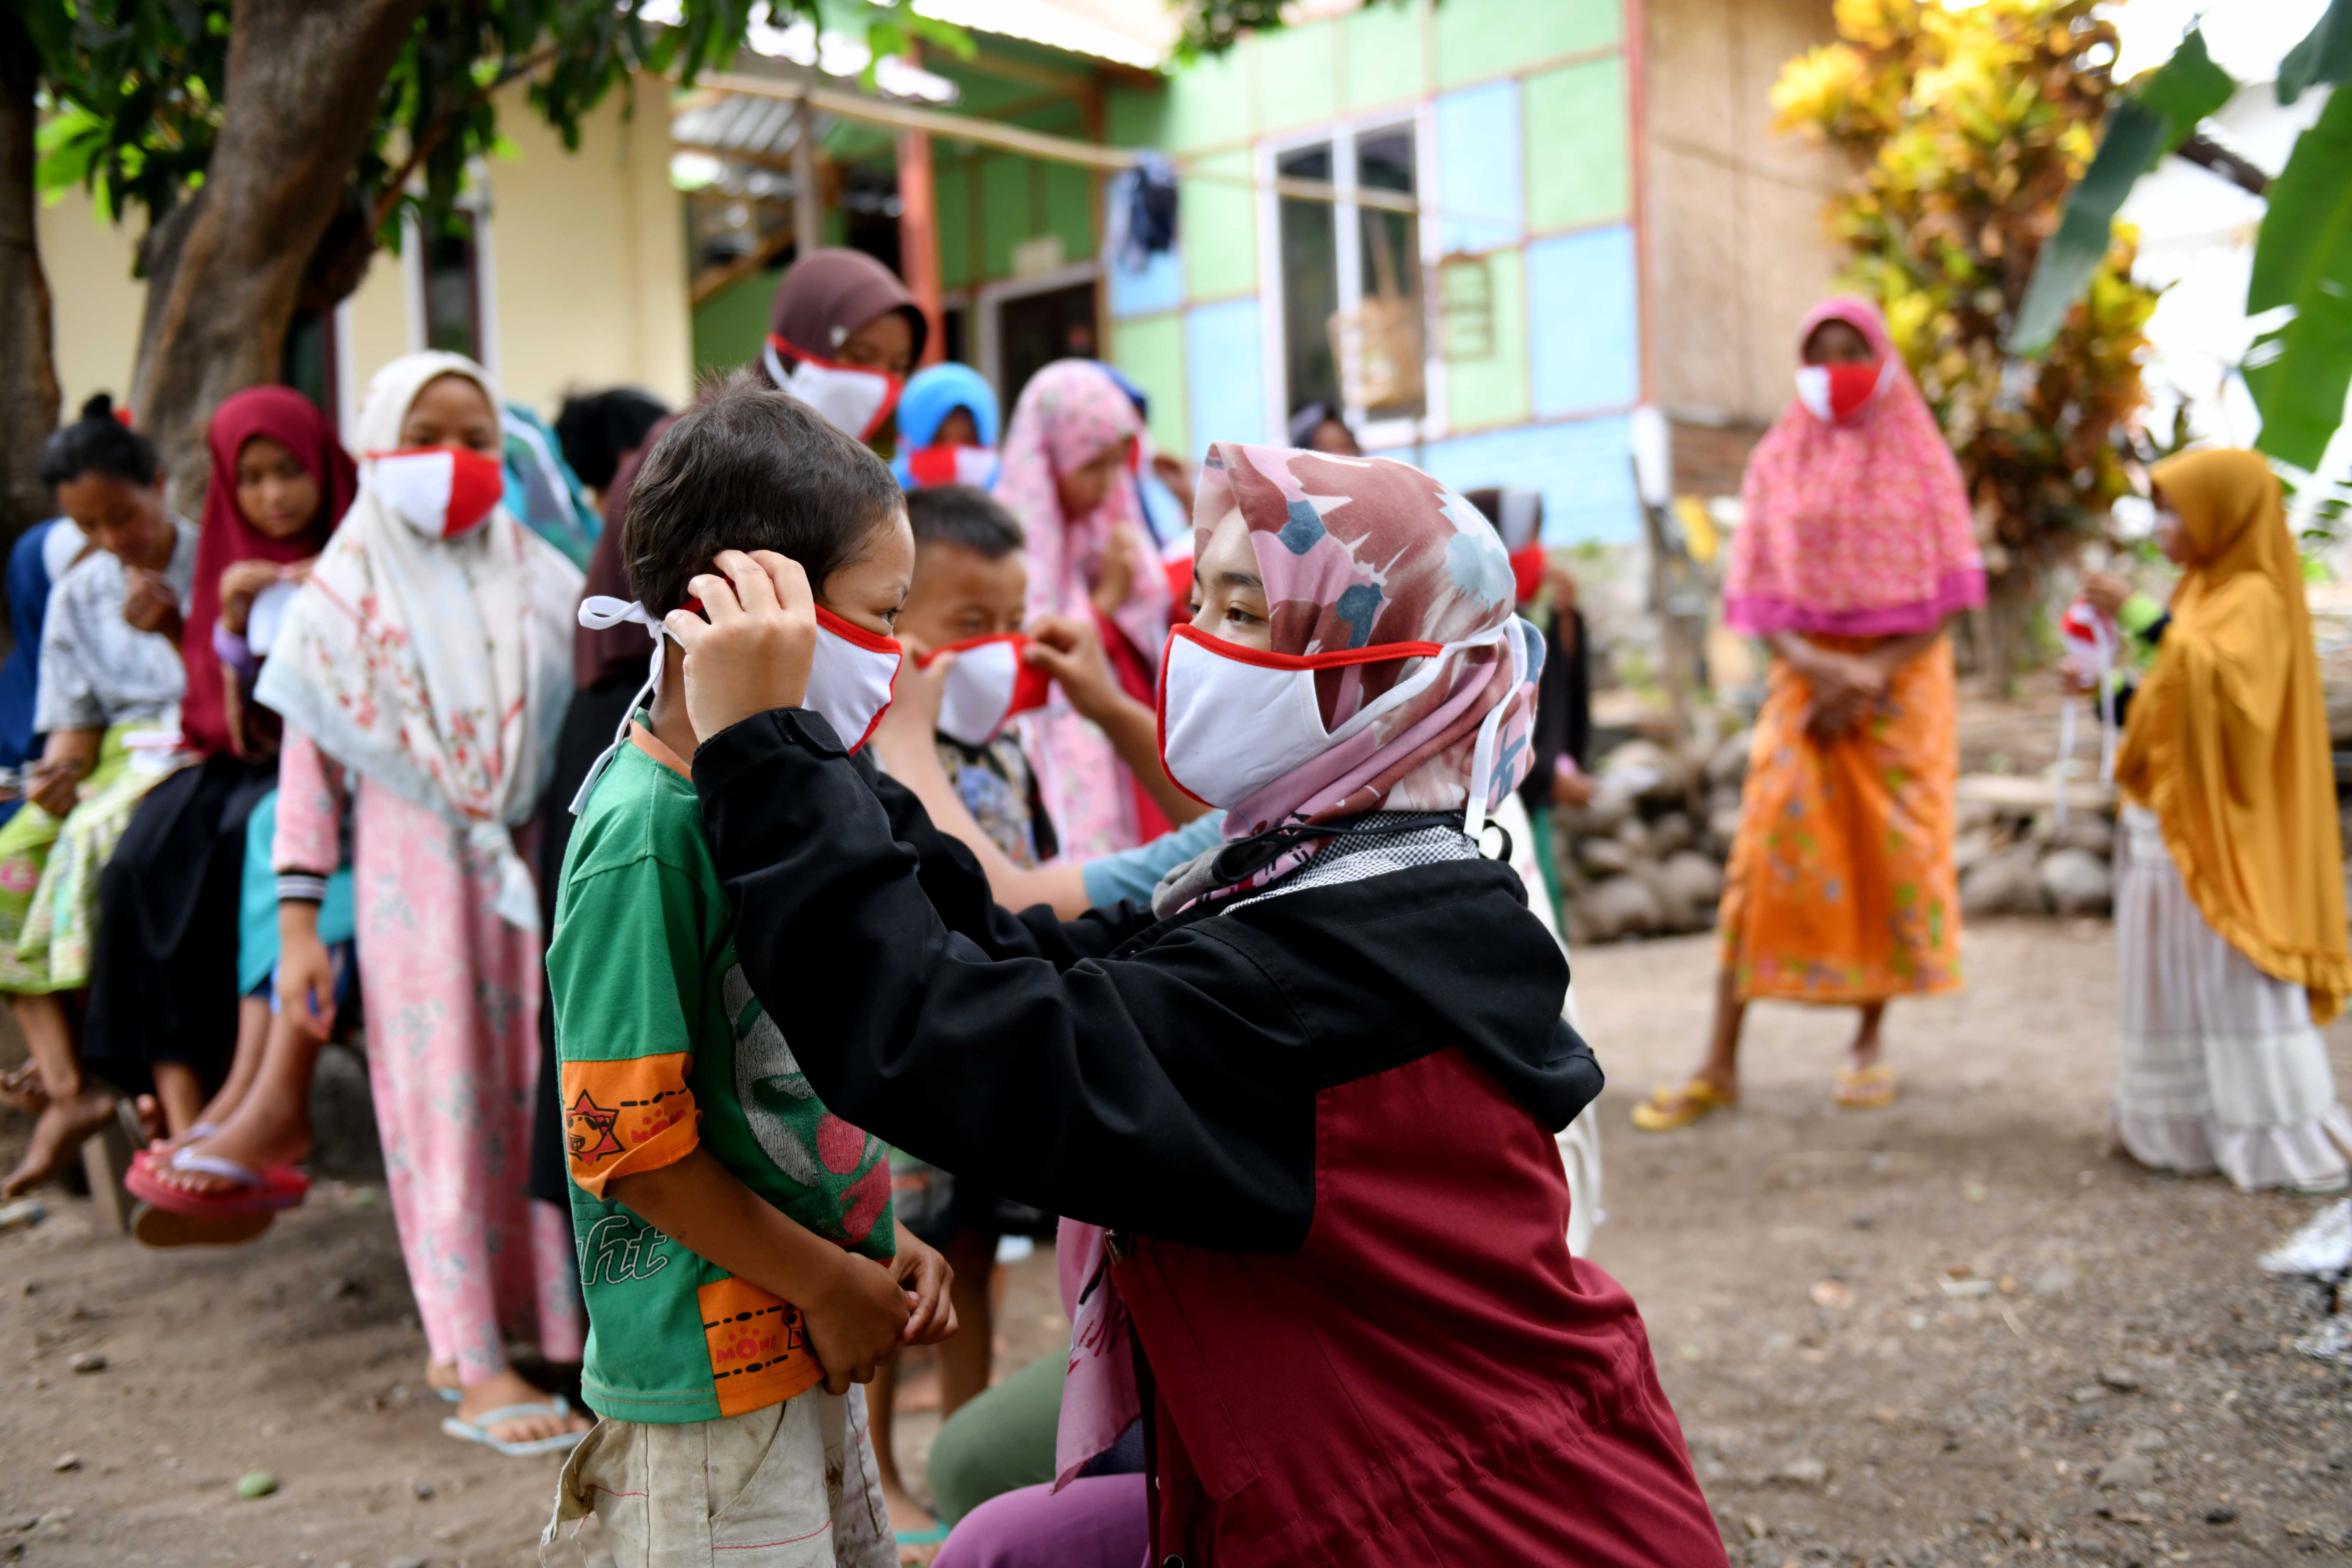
{"type": "Point", "coordinates": [1239, 580]}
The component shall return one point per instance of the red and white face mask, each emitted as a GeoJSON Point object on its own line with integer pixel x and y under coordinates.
{"type": "Point", "coordinates": [1234, 719]}
{"type": "Point", "coordinates": [1520, 523]}
{"type": "Point", "coordinates": [1832, 392]}
{"type": "Point", "coordinates": [850, 397]}
{"type": "Point", "coordinates": [440, 491]}
{"type": "Point", "coordinates": [852, 679]}
{"type": "Point", "coordinates": [989, 684]}
{"type": "Point", "coordinates": [955, 465]}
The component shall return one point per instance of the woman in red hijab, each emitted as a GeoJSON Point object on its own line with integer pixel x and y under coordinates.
{"type": "Point", "coordinates": [164, 1006]}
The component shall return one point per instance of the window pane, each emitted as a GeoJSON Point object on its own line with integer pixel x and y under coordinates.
{"type": "Point", "coordinates": [1310, 285]}
{"type": "Point", "coordinates": [453, 300]}
{"type": "Point", "coordinates": [1391, 277]}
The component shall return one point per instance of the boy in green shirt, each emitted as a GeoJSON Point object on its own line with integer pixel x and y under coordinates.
{"type": "Point", "coordinates": [737, 1245]}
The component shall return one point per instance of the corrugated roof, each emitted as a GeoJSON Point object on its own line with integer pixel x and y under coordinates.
{"type": "Point", "coordinates": [1136, 33]}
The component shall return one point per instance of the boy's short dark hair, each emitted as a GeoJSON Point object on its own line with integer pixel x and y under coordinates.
{"type": "Point", "coordinates": [750, 468]}
{"type": "Point", "coordinates": [964, 515]}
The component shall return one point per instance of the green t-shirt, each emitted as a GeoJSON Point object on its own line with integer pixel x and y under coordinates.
{"type": "Point", "coordinates": [663, 1046]}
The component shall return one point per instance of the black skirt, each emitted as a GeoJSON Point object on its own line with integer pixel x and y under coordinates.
{"type": "Point", "coordinates": [588, 727]}
{"type": "Point", "coordinates": [163, 979]}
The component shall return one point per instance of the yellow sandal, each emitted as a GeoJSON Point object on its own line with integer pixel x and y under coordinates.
{"type": "Point", "coordinates": [1871, 1088]}
{"type": "Point", "coordinates": [1672, 1106]}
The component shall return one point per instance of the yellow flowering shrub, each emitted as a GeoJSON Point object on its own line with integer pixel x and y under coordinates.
{"type": "Point", "coordinates": [1967, 125]}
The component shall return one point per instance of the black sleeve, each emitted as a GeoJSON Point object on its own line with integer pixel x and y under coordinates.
{"type": "Point", "coordinates": [959, 891]}
{"type": "Point", "coordinates": [1169, 1093]}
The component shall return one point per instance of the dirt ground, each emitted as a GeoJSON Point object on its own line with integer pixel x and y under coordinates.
{"type": "Point", "coordinates": [2126, 1392]}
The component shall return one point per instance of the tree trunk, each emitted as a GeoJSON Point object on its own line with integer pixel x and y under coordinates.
{"type": "Point", "coordinates": [226, 272]}
{"type": "Point", "coordinates": [28, 372]}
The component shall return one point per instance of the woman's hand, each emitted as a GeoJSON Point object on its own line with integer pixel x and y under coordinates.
{"type": "Point", "coordinates": [1071, 651]}
{"type": "Point", "coordinates": [1841, 679]}
{"type": "Point", "coordinates": [1826, 719]}
{"type": "Point", "coordinates": [1561, 581]}
{"type": "Point", "coordinates": [754, 652]}
{"type": "Point", "coordinates": [924, 1276]}
{"type": "Point", "coordinates": [149, 604]}
{"type": "Point", "coordinates": [1572, 787]}
{"type": "Point", "coordinates": [2105, 591]}
{"type": "Point", "coordinates": [305, 975]}
{"type": "Point", "coordinates": [854, 1317]}
{"type": "Point", "coordinates": [54, 783]}
{"type": "Point", "coordinates": [1120, 560]}
{"type": "Point", "coordinates": [238, 587]}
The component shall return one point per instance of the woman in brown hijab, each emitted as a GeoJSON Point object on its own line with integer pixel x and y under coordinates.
{"type": "Point", "coordinates": [2230, 925]}
{"type": "Point", "coordinates": [843, 336]}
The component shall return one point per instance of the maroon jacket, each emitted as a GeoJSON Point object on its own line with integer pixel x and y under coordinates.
{"type": "Point", "coordinates": [1430, 1379]}
{"type": "Point", "coordinates": [1320, 1126]}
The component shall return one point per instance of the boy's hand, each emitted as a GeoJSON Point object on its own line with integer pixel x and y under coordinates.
{"type": "Point", "coordinates": [754, 652]}
{"type": "Point", "coordinates": [1070, 651]}
{"type": "Point", "coordinates": [925, 1276]}
{"type": "Point", "coordinates": [910, 724]}
{"type": "Point", "coordinates": [855, 1321]}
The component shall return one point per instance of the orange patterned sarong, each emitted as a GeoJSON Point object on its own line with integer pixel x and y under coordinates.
{"type": "Point", "coordinates": [1841, 887]}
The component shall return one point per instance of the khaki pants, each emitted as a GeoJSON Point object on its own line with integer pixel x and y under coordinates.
{"type": "Point", "coordinates": [791, 1486]}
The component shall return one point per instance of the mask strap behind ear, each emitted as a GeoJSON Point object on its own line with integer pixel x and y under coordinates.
{"type": "Point", "coordinates": [600, 612]}
{"type": "Point", "coordinates": [1482, 755]}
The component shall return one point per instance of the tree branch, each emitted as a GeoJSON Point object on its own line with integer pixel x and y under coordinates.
{"type": "Point", "coordinates": [437, 131]}
{"type": "Point", "coordinates": [2211, 155]}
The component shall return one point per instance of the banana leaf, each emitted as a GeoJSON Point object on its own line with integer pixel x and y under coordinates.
{"type": "Point", "coordinates": [2324, 56]}
{"type": "Point", "coordinates": [2148, 123]}
{"type": "Point", "coordinates": [2299, 373]}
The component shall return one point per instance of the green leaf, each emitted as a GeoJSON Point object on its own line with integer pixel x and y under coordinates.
{"type": "Point", "coordinates": [2134, 138]}
{"type": "Point", "coordinates": [2299, 373]}
{"type": "Point", "coordinates": [2324, 56]}
{"type": "Point", "coordinates": [946, 35]}
{"type": "Point", "coordinates": [2310, 211]}
{"type": "Point", "coordinates": [2187, 87]}
{"type": "Point", "coordinates": [68, 144]}
{"type": "Point", "coordinates": [2159, 112]}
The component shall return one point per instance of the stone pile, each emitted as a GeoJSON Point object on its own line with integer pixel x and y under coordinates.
{"type": "Point", "coordinates": [1645, 858]}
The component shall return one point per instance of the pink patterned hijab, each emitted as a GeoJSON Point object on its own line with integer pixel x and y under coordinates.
{"type": "Point", "coordinates": [1359, 551]}
{"type": "Point", "coordinates": [1068, 413]}
{"type": "Point", "coordinates": [1857, 528]}
{"type": "Point", "coordinates": [1355, 552]}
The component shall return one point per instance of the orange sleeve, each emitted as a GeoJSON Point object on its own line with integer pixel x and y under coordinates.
{"type": "Point", "coordinates": [621, 1117]}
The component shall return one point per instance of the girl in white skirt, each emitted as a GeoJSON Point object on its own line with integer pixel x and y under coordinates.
{"type": "Point", "coordinates": [2229, 921]}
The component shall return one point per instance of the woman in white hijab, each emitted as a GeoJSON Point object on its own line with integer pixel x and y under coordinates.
{"type": "Point", "coordinates": [423, 672]}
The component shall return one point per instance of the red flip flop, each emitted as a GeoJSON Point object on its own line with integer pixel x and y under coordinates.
{"type": "Point", "coordinates": [257, 1192]}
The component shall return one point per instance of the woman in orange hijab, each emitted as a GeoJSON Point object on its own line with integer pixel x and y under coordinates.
{"type": "Point", "coordinates": [2229, 924]}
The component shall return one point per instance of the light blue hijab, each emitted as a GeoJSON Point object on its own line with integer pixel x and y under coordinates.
{"type": "Point", "coordinates": [934, 393]}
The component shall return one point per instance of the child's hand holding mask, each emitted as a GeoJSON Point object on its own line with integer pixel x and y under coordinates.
{"type": "Point", "coordinates": [754, 652]}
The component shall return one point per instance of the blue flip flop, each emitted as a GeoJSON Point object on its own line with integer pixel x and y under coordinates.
{"type": "Point", "coordinates": [930, 1537]}
{"type": "Point", "coordinates": [480, 1431]}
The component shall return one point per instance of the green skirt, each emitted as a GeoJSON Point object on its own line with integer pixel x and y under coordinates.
{"type": "Point", "coordinates": [48, 873]}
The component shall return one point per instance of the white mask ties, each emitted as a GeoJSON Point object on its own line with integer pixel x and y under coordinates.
{"type": "Point", "coordinates": [601, 611]}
